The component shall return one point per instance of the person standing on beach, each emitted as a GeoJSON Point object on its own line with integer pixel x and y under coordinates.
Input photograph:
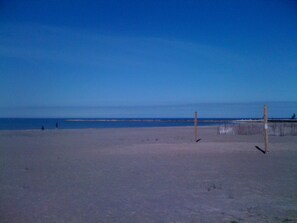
{"type": "Point", "coordinates": [57, 125]}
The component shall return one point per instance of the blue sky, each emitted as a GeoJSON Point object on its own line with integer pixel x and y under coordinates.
{"type": "Point", "coordinates": [147, 58]}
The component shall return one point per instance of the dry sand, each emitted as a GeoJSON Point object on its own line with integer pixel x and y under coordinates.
{"type": "Point", "coordinates": [146, 175]}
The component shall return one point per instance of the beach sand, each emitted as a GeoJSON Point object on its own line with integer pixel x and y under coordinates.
{"type": "Point", "coordinates": [146, 175]}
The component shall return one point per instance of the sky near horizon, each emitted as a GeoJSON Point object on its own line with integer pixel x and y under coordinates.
{"type": "Point", "coordinates": [121, 55]}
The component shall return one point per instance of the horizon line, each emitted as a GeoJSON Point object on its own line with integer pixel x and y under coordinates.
{"type": "Point", "coordinates": [149, 105]}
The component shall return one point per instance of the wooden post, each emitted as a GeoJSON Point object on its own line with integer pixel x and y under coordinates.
{"type": "Point", "coordinates": [196, 129]}
{"type": "Point", "coordinates": [266, 128]}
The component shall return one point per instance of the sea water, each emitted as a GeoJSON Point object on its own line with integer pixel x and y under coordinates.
{"type": "Point", "coordinates": [74, 123]}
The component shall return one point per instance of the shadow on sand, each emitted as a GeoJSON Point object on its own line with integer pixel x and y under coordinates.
{"type": "Point", "coordinates": [261, 150]}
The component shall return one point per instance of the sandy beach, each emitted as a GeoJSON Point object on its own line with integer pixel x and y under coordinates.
{"type": "Point", "coordinates": [146, 175]}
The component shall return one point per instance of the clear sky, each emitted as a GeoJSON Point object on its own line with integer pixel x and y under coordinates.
{"type": "Point", "coordinates": [147, 58]}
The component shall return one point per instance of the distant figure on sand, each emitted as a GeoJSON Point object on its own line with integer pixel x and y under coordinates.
{"type": "Point", "coordinates": [42, 128]}
{"type": "Point", "coordinates": [57, 125]}
{"type": "Point", "coordinates": [293, 116]}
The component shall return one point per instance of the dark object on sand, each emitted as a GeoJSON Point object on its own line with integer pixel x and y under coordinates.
{"type": "Point", "coordinates": [293, 116]}
{"type": "Point", "coordinates": [42, 128]}
{"type": "Point", "coordinates": [263, 151]}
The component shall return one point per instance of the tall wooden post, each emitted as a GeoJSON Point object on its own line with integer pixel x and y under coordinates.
{"type": "Point", "coordinates": [196, 128]}
{"type": "Point", "coordinates": [266, 128]}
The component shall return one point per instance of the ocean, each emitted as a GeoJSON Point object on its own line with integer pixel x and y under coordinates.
{"type": "Point", "coordinates": [84, 123]}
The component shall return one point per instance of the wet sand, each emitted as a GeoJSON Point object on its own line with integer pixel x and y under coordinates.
{"type": "Point", "coordinates": [146, 175]}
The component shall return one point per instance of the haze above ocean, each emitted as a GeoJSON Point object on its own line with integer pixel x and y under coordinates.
{"type": "Point", "coordinates": [205, 110]}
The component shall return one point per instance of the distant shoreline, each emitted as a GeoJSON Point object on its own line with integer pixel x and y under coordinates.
{"type": "Point", "coordinates": [182, 120]}
{"type": "Point", "coordinates": [143, 120]}
{"type": "Point", "coordinates": [269, 120]}
{"type": "Point", "coordinates": [81, 123]}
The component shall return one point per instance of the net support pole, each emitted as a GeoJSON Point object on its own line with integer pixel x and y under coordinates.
{"type": "Point", "coordinates": [266, 128]}
{"type": "Point", "coordinates": [196, 127]}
